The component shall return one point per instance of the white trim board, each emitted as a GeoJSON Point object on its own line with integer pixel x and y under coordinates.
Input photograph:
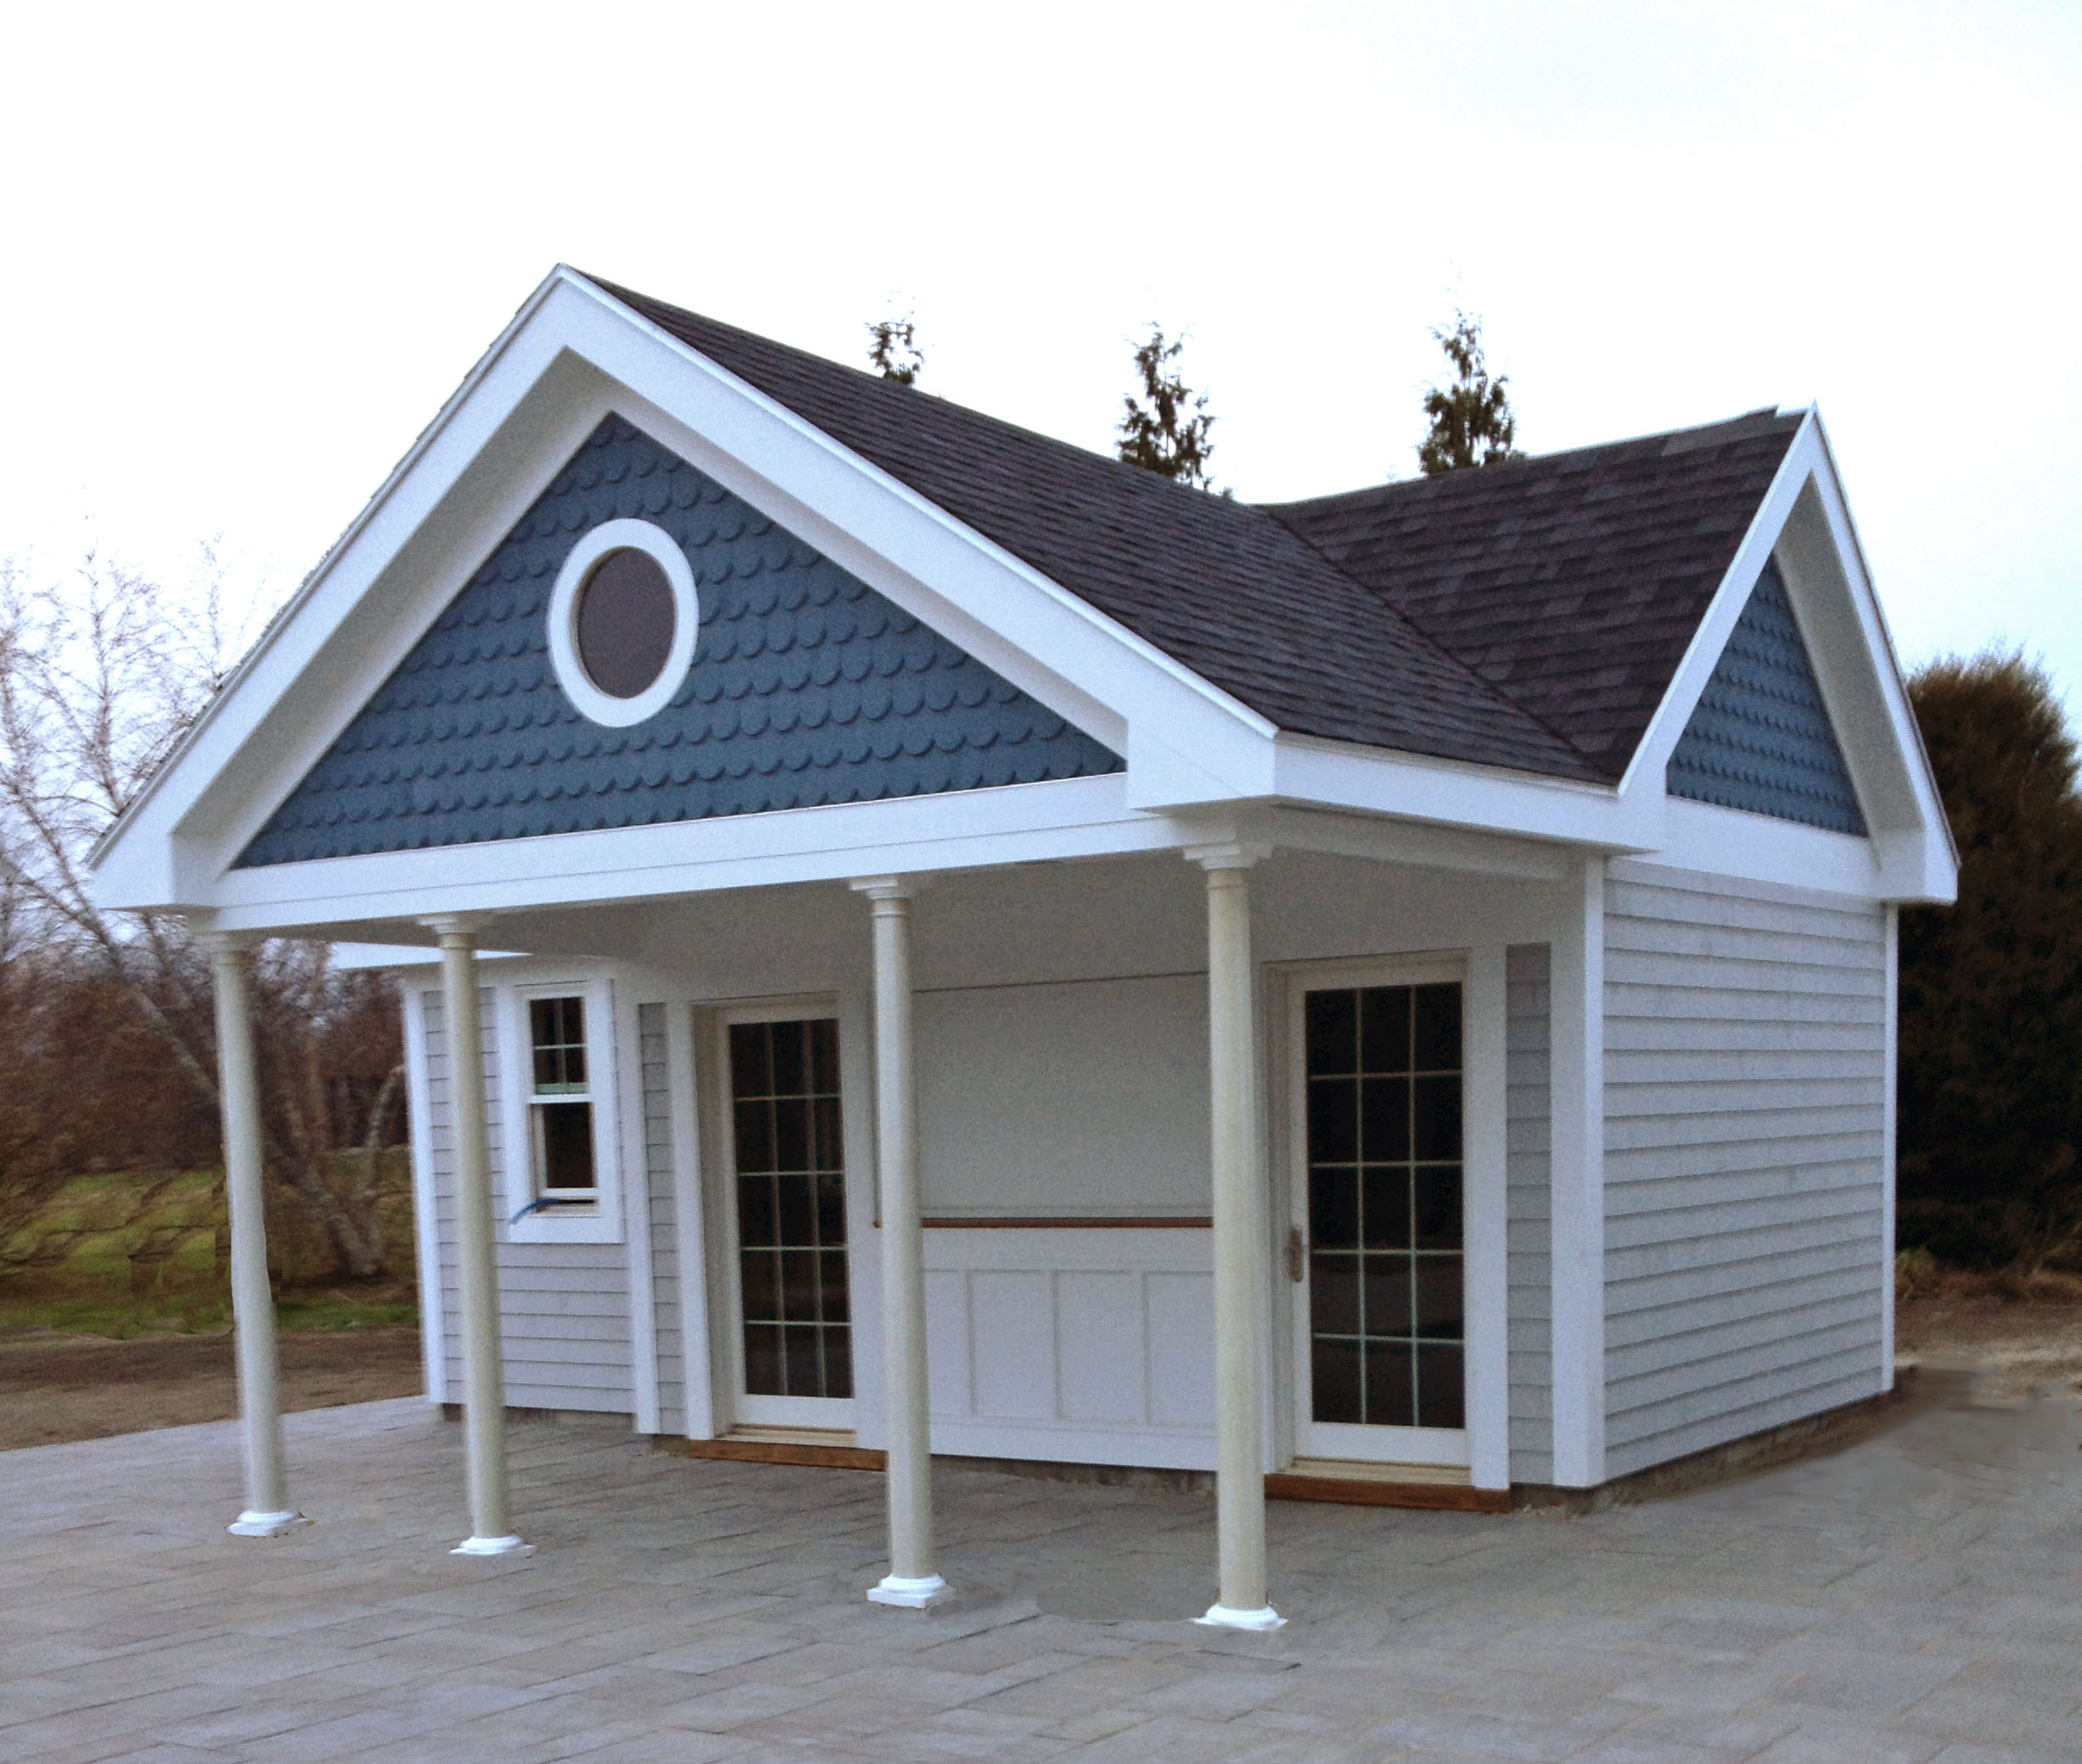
{"type": "Point", "coordinates": [1484, 1443]}
{"type": "Point", "coordinates": [605, 1223]}
{"type": "Point", "coordinates": [1577, 992]}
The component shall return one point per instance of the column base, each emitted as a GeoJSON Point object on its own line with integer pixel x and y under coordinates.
{"type": "Point", "coordinates": [492, 1547]}
{"type": "Point", "coordinates": [1221, 1617]}
{"type": "Point", "coordinates": [266, 1525]}
{"type": "Point", "coordinates": [913, 1595]}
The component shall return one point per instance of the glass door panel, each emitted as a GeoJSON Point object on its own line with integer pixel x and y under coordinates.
{"type": "Point", "coordinates": [790, 1190]}
{"type": "Point", "coordinates": [1381, 1068]}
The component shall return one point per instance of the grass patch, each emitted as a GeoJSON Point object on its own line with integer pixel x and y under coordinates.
{"type": "Point", "coordinates": [195, 1313]}
{"type": "Point", "coordinates": [100, 1314]}
{"type": "Point", "coordinates": [330, 1310]}
{"type": "Point", "coordinates": [140, 1253]}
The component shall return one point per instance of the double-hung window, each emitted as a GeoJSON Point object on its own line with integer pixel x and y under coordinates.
{"type": "Point", "coordinates": [561, 1103]}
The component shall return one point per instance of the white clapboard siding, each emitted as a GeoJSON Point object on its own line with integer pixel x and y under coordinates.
{"type": "Point", "coordinates": [664, 1225]}
{"type": "Point", "coordinates": [1076, 1347]}
{"type": "Point", "coordinates": [563, 1307]}
{"type": "Point", "coordinates": [1528, 1117]}
{"type": "Point", "coordinates": [1745, 1066]}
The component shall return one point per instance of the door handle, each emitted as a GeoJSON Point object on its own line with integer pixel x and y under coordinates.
{"type": "Point", "coordinates": [1297, 1252]}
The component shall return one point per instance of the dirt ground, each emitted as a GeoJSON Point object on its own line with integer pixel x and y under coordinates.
{"type": "Point", "coordinates": [2018, 1345]}
{"type": "Point", "coordinates": [57, 1385]}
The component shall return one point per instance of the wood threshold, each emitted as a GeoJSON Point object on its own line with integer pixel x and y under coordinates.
{"type": "Point", "coordinates": [1365, 1470]}
{"type": "Point", "coordinates": [1076, 1222]}
{"type": "Point", "coordinates": [1374, 1491]}
{"type": "Point", "coordinates": [812, 1448]}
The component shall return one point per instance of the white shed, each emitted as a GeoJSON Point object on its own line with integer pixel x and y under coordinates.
{"type": "Point", "coordinates": [1003, 955]}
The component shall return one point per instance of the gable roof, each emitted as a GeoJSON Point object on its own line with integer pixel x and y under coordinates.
{"type": "Point", "coordinates": [1529, 616]}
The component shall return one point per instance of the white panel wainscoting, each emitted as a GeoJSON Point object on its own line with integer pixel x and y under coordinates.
{"type": "Point", "coordinates": [1075, 1345]}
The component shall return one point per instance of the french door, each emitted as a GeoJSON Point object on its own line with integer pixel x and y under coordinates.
{"type": "Point", "coordinates": [788, 1205]}
{"type": "Point", "coordinates": [1377, 1247]}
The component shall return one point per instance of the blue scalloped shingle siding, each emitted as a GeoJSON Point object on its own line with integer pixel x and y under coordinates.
{"type": "Point", "coordinates": [1760, 738]}
{"type": "Point", "coordinates": [807, 688]}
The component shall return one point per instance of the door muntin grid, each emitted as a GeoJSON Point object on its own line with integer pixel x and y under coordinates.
{"type": "Point", "coordinates": [791, 1208]}
{"type": "Point", "coordinates": [1386, 1313]}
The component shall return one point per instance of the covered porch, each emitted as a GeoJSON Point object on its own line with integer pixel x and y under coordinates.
{"type": "Point", "coordinates": [1083, 1222]}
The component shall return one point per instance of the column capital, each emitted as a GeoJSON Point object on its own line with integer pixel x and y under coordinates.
{"type": "Point", "coordinates": [446, 925]}
{"type": "Point", "coordinates": [215, 944]}
{"type": "Point", "coordinates": [889, 888]}
{"type": "Point", "coordinates": [1228, 853]}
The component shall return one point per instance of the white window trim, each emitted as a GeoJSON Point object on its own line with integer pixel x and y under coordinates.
{"type": "Point", "coordinates": [600, 1223]}
{"type": "Point", "coordinates": [747, 1410]}
{"type": "Point", "coordinates": [1476, 1445]}
{"type": "Point", "coordinates": [656, 543]}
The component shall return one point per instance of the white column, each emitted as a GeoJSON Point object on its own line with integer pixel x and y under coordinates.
{"type": "Point", "coordinates": [484, 1382]}
{"type": "Point", "coordinates": [1239, 1244]}
{"type": "Point", "coordinates": [268, 1513]}
{"type": "Point", "coordinates": [912, 1580]}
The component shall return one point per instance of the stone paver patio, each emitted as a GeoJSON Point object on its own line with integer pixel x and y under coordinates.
{"type": "Point", "coordinates": [1917, 1597]}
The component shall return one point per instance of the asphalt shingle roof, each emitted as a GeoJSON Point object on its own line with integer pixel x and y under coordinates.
{"type": "Point", "coordinates": [1572, 582]}
{"type": "Point", "coordinates": [1528, 615]}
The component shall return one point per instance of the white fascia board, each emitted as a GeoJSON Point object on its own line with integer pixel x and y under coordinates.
{"type": "Point", "coordinates": [1017, 823]}
{"type": "Point", "coordinates": [1335, 775]}
{"type": "Point", "coordinates": [1928, 831]}
{"type": "Point", "coordinates": [571, 355]}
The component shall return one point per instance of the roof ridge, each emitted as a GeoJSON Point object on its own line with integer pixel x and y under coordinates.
{"type": "Point", "coordinates": [1742, 427]}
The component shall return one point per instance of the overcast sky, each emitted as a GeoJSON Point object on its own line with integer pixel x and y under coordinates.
{"type": "Point", "coordinates": [250, 252]}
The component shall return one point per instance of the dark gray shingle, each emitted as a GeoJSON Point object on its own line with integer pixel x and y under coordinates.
{"type": "Point", "coordinates": [1571, 582]}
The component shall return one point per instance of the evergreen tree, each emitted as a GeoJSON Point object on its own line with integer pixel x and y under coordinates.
{"type": "Point", "coordinates": [1990, 1049]}
{"type": "Point", "coordinates": [1472, 422]}
{"type": "Point", "coordinates": [1169, 434]}
{"type": "Point", "coordinates": [893, 351]}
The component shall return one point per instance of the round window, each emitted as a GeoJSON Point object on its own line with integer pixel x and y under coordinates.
{"type": "Point", "coordinates": [623, 620]}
